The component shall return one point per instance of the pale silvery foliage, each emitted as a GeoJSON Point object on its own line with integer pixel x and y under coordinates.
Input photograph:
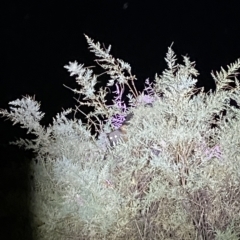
{"type": "Point", "coordinates": [83, 189]}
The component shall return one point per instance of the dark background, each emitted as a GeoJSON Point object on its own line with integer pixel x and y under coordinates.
{"type": "Point", "coordinates": [39, 37]}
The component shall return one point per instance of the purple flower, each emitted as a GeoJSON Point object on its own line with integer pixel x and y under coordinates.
{"type": "Point", "coordinates": [213, 152]}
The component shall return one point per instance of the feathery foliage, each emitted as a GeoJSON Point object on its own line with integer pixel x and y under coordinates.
{"type": "Point", "coordinates": [176, 176]}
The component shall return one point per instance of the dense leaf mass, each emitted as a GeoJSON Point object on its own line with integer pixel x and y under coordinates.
{"type": "Point", "coordinates": [174, 174]}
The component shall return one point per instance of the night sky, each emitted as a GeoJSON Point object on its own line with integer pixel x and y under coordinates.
{"type": "Point", "coordinates": [40, 37]}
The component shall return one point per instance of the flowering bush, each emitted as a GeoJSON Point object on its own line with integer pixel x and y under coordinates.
{"type": "Point", "coordinates": [174, 177]}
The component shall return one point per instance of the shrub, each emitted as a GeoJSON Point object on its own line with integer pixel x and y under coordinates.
{"type": "Point", "coordinates": [175, 175]}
